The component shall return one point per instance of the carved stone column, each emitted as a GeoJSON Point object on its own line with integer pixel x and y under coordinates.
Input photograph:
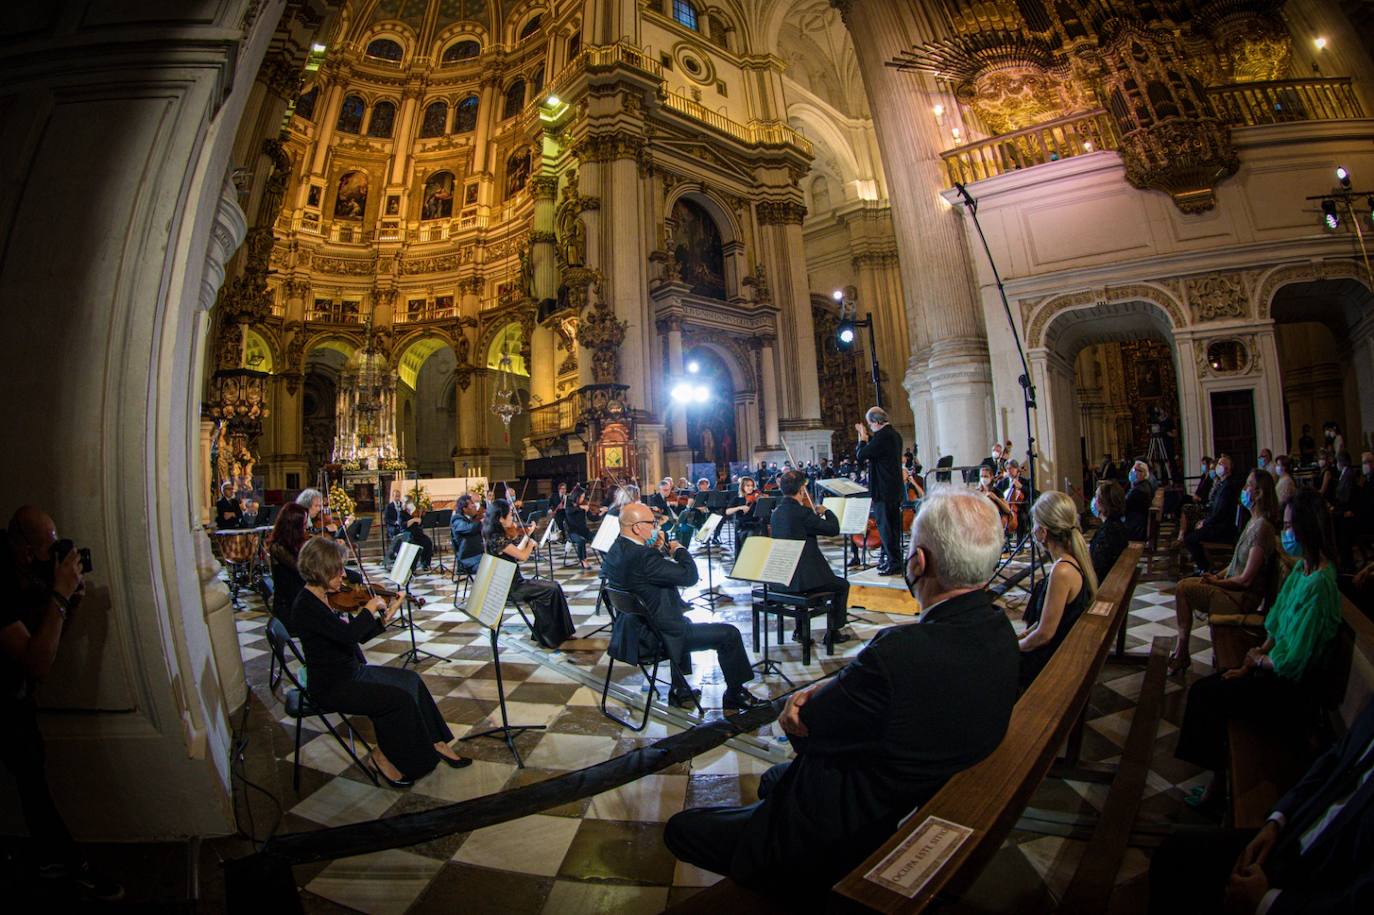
{"type": "Point", "coordinates": [623, 258]}
{"type": "Point", "coordinates": [328, 117]}
{"type": "Point", "coordinates": [405, 128]}
{"type": "Point", "coordinates": [544, 190]}
{"type": "Point", "coordinates": [944, 316]}
{"type": "Point", "coordinates": [768, 368]}
{"type": "Point", "coordinates": [472, 420]}
{"type": "Point", "coordinates": [785, 259]}
{"type": "Point", "coordinates": [880, 293]}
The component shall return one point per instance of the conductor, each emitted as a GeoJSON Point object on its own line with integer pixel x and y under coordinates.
{"type": "Point", "coordinates": [883, 452]}
{"type": "Point", "coordinates": [635, 564]}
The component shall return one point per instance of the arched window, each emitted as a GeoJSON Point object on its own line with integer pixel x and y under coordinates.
{"type": "Point", "coordinates": [515, 99]}
{"type": "Point", "coordinates": [517, 172]}
{"type": "Point", "coordinates": [435, 119]}
{"type": "Point", "coordinates": [383, 120]}
{"type": "Point", "coordinates": [574, 45]}
{"type": "Point", "coordinates": [305, 104]}
{"type": "Point", "coordinates": [685, 13]}
{"type": "Point", "coordinates": [530, 27]}
{"type": "Point", "coordinates": [697, 246]}
{"type": "Point", "coordinates": [386, 49]}
{"type": "Point", "coordinates": [461, 50]}
{"type": "Point", "coordinates": [716, 31]}
{"type": "Point", "coordinates": [351, 115]}
{"type": "Point", "coordinates": [438, 198]}
{"type": "Point", "coordinates": [465, 115]}
{"type": "Point", "coordinates": [537, 80]}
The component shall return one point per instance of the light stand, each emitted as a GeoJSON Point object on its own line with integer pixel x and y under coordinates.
{"type": "Point", "coordinates": [1027, 389]}
{"type": "Point", "coordinates": [849, 325]}
{"type": "Point", "coordinates": [1345, 196]}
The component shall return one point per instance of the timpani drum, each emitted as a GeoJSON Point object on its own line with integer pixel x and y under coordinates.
{"type": "Point", "coordinates": [237, 546]}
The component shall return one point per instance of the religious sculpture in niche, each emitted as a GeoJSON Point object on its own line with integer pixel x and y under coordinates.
{"type": "Point", "coordinates": [438, 196]}
{"type": "Point", "coordinates": [351, 201]}
{"type": "Point", "coordinates": [600, 332]}
{"type": "Point", "coordinates": [571, 232]}
{"type": "Point", "coordinates": [698, 250]}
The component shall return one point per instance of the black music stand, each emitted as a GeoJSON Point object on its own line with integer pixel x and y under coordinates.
{"type": "Point", "coordinates": [414, 653]}
{"type": "Point", "coordinates": [712, 595]}
{"type": "Point", "coordinates": [766, 665]}
{"type": "Point", "coordinates": [434, 520]}
{"type": "Point", "coordinates": [506, 731]}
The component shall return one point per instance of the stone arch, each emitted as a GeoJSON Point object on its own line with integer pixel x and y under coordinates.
{"type": "Point", "coordinates": [392, 29]}
{"type": "Point", "coordinates": [1038, 317]}
{"type": "Point", "coordinates": [517, 18]}
{"type": "Point", "coordinates": [820, 129]}
{"type": "Point", "coordinates": [733, 352]}
{"type": "Point", "coordinates": [1304, 272]}
{"type": "Point", "coordinates": [463, 30]}
{"type": "Point", "coordinates": [427, 335]}
{"type": "Point", "coordinates": [707, 199]}
{"type": "Point", "coordinates": [346, 343]}
{"type": "Point", "coordinates": [260, 337]}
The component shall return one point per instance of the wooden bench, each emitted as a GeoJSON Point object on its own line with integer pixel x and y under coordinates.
{"type": "Point", "coordinates": [1263, 764]}
{"type": "Point", "coordinates": [990, 796]}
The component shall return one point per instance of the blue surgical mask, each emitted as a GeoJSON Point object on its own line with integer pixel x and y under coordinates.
{"type": "Point", "coordinates": [1096, 509]}
{"type": "Point", "coordinates": [652, 538]}
{"type": "Point", "coordinates": [1290, 543]}
{"type": "Point", "coordinates": [1263, 463]}
{"type": "Point", "coordinates": [1133, 476]}
{"type": "Point", "coordinates": [1245, 498]}
{"type": "Point", "coordinates": [1212, 474]}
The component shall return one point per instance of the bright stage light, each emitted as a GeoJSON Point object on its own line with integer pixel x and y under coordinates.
{"type": "Point", "coordinates": [682, 392]}
{"type": "Point", "coordinates": [694, 366]}
{"type": "Point", "coordinates": [554, 101]}
{"type": "Point", "coordinates": [701, 393]}
{"type": "Point", "coordinates": [846, 333]}
{"type": "Point", "coordinates": [1342, 176]}
{"type": "Point", "coordinates": [838, 295]}
{"type": "Point", "coordinates": [1329, 214]}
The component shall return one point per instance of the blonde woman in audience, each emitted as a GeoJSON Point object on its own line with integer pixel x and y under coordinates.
{"type": "Point", "coordinates": [1061, 596]}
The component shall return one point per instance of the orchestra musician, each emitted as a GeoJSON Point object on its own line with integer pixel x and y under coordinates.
{"type": "Point", "coordinates": [635, 564]}
{"type": "Point", "coordinates": [318, 522]}
{"type": "Point", "coordinates": [1014, 493]}
{"type": "Point", "coordinates": [465, 531]}
{"type": "Point", "coordinates": [507, 539]}
{"type": "Point", "coordinates": [228, 513]}
{"type": "Point", "coordinates": [411, 734]}
{"type": "Point", "coordinates": [989, 489]}
{"type": "Point", "coordinates": [412, 531]}
{"type": "Point", "coordinates": [627, 493]}
{"type": "Point", "coordinates": [798, 518]}
{"type": "Point", "coordinates": [560, 512]}
{"type": "Point", "coordinates": [394, 517]}
{"type": "Point", "coordinates": [663, 503]}
{"type": "Point", "coordinates": [741, 508]}
{"type": "Point", "coordinates": [283, 549]}
{"type": "Point", "coordinates": [883, 452]}
{"type": "Point", "coordinates": [575, 517]}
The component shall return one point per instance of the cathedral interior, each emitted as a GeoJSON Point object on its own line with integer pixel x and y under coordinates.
{"type": "Point", "coordinates": [425, 247]}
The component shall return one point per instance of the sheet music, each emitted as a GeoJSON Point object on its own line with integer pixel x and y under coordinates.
{"type": "Point", "coordinates": [708, 528]}
{"type": "Point", "coordinates": [405, 563]}
{"type": "Point", "coordinates": [548, 535]}
{"type": "Point", "coordinates": [842, 487]}
{"type": "Point", "coordinates": [490, 590]}
{"type": "Point", "coordinates": [851, 511]}
{"type": "Point", "coordinates": [606, 534]}
{"type": "Point", "coordinates": [781, 563]}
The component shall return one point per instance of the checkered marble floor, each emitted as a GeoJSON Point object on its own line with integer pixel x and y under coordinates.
{"type": "Point", "coordinates": [605, 854]}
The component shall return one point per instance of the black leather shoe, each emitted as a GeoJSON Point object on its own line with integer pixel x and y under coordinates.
{"type": "Point", "coordinates": [894, 570]}
{"type": "Point", "coordinates": [395, 783]}
{"type": "Point", "coordinates": [840, 637]}
{"type": "Point", "coordinates": [461, 762]}
{"type": "Point", "coordinates": [687, 698]}
{"type": "Point", "coordinates": [797, 637]}
{"type": "Point", "coordinates": [740, 700]}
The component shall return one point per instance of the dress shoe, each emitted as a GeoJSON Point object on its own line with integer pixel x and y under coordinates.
{"type": "Point", "coordinates": [462, 762]}
{"type": "Point", "coordinates": [740, 699]}
{"type": "Point", "coordinates": [840, 636]}
{"type": "Point", "coordinates": [393, 782]}
{"type": "Point", "coordinates": [854, 564]}
{"type": "Point", "coordinates": [891, 570]}
{"type": "Point", "coordinates": [686, 698]}
{"type": "Point", "coordinates": [797, 637]}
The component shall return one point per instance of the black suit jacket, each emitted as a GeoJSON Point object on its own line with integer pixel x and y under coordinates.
{"type": "Point", "coordinates": [1336, 874]}
{"type": "Point", "coordinates": [883, 452]}
{"type": "Point", "coordinates": [394, 516]}
{"type": "Point", "coordinates": [794, 521]}
{"type": "Point", "coordinates": [1220, 523]}
{"type": "Point", "coordinates": [575, 520]}
{"type": "Point", "coordinates": [1137, 511]}
{"type": "Point", "coordinates": [655, 580]}
{"type": "Point", "coordinates": [922, 702]}
{"type": "Point", "coordinates": [656, 501]}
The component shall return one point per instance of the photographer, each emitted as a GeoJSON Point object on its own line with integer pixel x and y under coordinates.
{"type": "Point", "coordinates": [40, 582]}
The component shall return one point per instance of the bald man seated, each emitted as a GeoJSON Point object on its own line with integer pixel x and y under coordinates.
{"type": "Point", "coordinates": [636, 564]}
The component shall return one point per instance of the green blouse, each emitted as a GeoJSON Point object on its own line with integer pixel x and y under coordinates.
{"type": "Point", "coordinates": [1304, 618]}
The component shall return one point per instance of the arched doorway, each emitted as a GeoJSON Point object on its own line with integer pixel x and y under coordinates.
{"type": "Point", "coordinates": [429, 416]}
{"type": "Point", "coordinates": [1108, 378]}
{"type": "Point", "coordinates": [1325, 340]}
{"type": "Point", "coordinates": [711, 432]}
{"type": "Point", "coordinates": [324, 365]}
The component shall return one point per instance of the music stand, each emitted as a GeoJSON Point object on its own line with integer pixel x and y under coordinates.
{"type": "Point", "coordinates": [704, 535]}
{"type": "Point", "coordinates": [401, 573]}
{"type": "Point", "coordinates": [490, 591]}
{"type": "Point", "coordinates": [434, 520]}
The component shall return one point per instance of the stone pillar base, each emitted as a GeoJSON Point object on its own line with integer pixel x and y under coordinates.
{"type": "Point", "coordinates": [960, 379]}
{"type": "Point", "coordinates": [806, 445]}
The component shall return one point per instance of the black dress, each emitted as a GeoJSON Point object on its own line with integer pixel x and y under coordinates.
{"type": "Point", "coordinates": [1106, 547]}
{"type": "Point", "coordinates": [287, 584]}
{"type": "Point", "coordinates": [403, 713]}
{"type": "Point", "coordinates": [1032, 662]}
{"type": "Point", "coordinates": [553, 623]}
{"type": "Point", "coordinates": [746, 523]}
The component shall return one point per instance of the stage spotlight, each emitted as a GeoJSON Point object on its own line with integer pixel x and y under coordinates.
{"type": "Point", "coordinates": [554, 101]}
{"type": "Point", "coordinates": [1342, 176]}
{"type": "Point", "coordinates": [682, 392]}
{"type": "Point", "coordinates": [694, 366]}
{"type": "Point", "coordinates": [846, 333]}
{"type": "Point", "coordinates": [1329, 214]}
{"type": "Point", "coordinates": [838, 295]}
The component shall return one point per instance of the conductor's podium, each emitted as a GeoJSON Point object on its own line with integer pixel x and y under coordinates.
{"type": "Point", "coordinates": [881, 593]}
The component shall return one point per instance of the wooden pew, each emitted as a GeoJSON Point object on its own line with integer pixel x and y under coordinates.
{"type": "Point", "coordinates": [1264, 764]}
{"type": "Point", "coordinates": [987, 798]}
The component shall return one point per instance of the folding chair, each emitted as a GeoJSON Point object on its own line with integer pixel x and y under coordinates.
{"type": "Point", "coordinates": [626, 608]}
{"type": "Point", "coordinates": [299, 704]}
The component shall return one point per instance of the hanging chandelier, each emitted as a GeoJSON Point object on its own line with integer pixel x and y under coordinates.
{"type": "Point", "coordinates": [505, 401]}
{"type": "Point", "coordinates": [366, 410]}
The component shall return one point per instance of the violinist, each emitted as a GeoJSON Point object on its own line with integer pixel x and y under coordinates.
{"type": "Point", "coordinates": [560, 512]}
{"type": "Point", "coordinates": [663, 503]}
{"type": "Point", "coordinates": [283, 547]}
{"type": "Point", "coordinates": [988, 489]}
{"type": "Point", "coordinates": [412, 737]}
{"type": "Point", "coordinates": [507, 539]}
{"type": "Point", "coordinates": [465, 530]}
{"type": "Point", "coordinates": [413, 531]}
{"type": "Point", "coordinates": [576, 516]}
{"type": "Point", "coordinates": [319, 520]}
{"type": "Point", "coordinates": [741, 508]}
{"type": "Point", "coordinates": [627, 493]}
{"type": "Point", "coordinates": [394, 516]}
{"type": "Point", "coordinates": [1013, 491]}
{"type": "Point", "coordinates": [798, 518]}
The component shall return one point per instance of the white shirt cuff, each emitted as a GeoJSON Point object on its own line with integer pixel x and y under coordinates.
{"type": "Point", "coordinates": [1267, 902]}
{"type": "Point", "coordinates": [1279, 818]}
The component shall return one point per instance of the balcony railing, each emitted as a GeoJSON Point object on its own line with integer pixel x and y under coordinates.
{"type": "Point", "coordinates": [764, 133]}
{"type": "Point", "coordinates": [337, 313]}
{"type": "Point", "coordinates": [1284, 101]}
{"type": "Point", "coordinates": [431, 313]}
{"type": "Point", "coordinates": [555, 419]}
{"type": "Point", "coordinates": [1048, 142]}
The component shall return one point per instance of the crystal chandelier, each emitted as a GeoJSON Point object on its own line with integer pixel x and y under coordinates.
{"type": "Point", "coordinates": [366, 410]}
{"type": "Point", "coordinates": [505, 401]}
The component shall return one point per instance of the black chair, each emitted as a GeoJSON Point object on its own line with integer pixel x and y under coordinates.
{"type": "Point", "coordinates": [299, 704]}
{"type": "Point", "coordinates": [359, 530]}
{"type": "Point", "coordinates": [626, 609]}
{"type": "Point", "coordinates": [798, 607]}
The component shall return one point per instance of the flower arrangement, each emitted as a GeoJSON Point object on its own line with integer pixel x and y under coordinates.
{"type": "Point", "coordinates": [392, 464]}
{"type": "Point", "coordinates": [351, 466]}
{"type": "Point", "coordinates": [340, 502]}
{"type": "Point", "coordinates": [420, 496]}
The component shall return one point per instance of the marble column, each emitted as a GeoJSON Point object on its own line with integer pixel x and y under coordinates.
{"type": "Point", "coordinates": [679, 454]}
{"type": "Point", "coordinates": [769, 370]}
{"type": "Point", "coordinates": [624, 262]}
{"type": "Point", "coordinates": [328, 114]}
{"type": "Point", "coordinates": [944, 319]}
{"type": "Point", "coordinates": [785, 262]}
{"type": "Point", "coordinates": [544, 190]}
{"type": "Point", "coordinates": [880, 293]}
{"type": "Point", "coordinates": [472, 422]}
{"type": "Point", "coordinates": [405, 128]}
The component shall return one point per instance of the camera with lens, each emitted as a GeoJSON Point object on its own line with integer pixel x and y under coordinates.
{"type": "Point", "coordinates": [61, 548]}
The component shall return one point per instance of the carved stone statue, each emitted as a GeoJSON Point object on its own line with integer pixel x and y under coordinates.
{"type": "Point", "coordinates": [575, 244]}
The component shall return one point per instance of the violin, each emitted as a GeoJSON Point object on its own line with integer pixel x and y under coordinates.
{"type": "Point", "coordinates": [752, 497]}
{"type": "Point", "coordinates": [352, 598]}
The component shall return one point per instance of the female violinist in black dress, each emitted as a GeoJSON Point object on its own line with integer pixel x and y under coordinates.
{"type": "Point", "coordinates": [412, 737]}
{"type": "Point", "coordinates": [505, 539]}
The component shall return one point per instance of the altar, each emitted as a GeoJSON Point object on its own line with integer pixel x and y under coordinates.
{"type": "Point", "coordinates": [443, 492]}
